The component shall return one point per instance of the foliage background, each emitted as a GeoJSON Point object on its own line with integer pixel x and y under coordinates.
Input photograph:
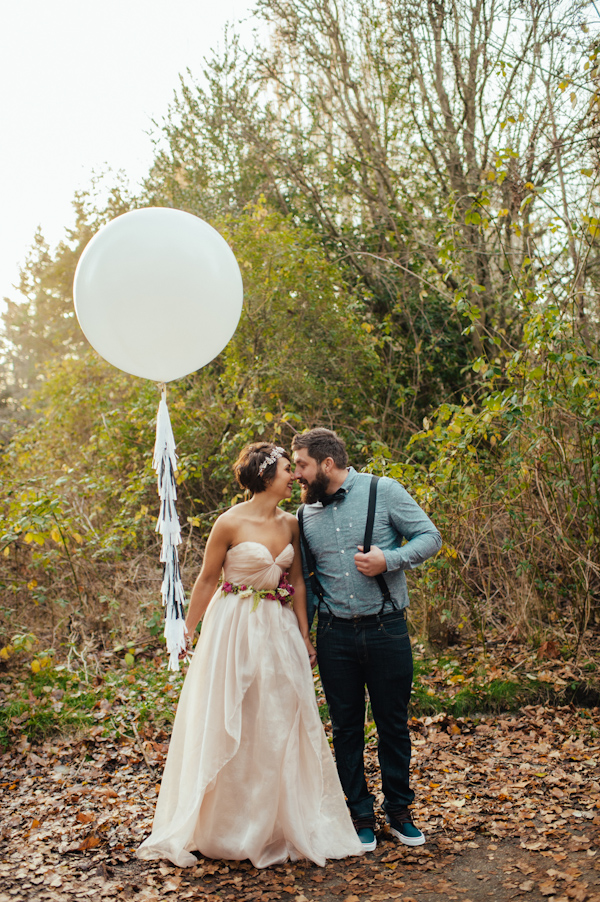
{"type": "Point", "coordinates": [410, 190]}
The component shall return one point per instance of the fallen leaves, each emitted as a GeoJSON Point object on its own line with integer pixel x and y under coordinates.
{"type": "Point", "coordinates": [84, 818]}
{"type": "Point", "coordinates": [90, 842]}
{"type": "Point", "coordinates": [510, 805]}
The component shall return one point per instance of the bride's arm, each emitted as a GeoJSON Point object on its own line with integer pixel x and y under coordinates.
{"type": "Point", "coordinates": [297, 581]}
{"type": "Point", "coordinates": [218, 543]}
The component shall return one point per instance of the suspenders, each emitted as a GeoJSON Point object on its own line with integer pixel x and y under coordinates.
{"type": "Point", "coordinates": [315, 585]}
{"type": "Point", "coordinates": [383, 587]}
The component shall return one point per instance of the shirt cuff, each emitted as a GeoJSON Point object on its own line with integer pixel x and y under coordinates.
{"type": "Point", "coordinates": [396, 560]}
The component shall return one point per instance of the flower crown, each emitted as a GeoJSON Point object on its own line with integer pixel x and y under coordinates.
{"type": "Point", "coordinates": [275, 454]}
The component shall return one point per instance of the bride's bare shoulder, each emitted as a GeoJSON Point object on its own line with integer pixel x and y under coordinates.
{"type": "Point", "coordinates": [230, 520]}
{"type": "Point", "coordinates": [290, 521]}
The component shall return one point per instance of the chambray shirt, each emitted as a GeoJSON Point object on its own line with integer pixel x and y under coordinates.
{"type": "Point", "coordinates": [334, 532]}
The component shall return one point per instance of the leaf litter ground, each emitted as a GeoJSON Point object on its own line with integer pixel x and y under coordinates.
{"type": "Point", "coordinates": [509, 802]}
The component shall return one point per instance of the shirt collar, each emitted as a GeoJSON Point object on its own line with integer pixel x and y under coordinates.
{"type": "Point", "coordinates": [348, 481]}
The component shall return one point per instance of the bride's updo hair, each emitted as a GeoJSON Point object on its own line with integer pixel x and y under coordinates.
{"type": "Point", "coordinates": [247, 467]}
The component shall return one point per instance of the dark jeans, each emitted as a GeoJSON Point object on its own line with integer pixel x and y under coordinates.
{"type": "Point", "coordinates": [375, 652]}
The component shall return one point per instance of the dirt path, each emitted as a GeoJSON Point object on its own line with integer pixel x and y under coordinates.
{"type": "Point", "coordinates": [510, 806]}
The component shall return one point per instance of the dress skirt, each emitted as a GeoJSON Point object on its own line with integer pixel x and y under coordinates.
{"type": "Point", "coordinates": [249, 773]}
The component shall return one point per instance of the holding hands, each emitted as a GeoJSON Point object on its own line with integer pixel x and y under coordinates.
{"type": "Point", "coordinates": [312, 655]}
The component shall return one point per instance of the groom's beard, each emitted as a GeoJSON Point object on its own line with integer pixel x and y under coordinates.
{"type": "Point", "coordinates": [313, 492]}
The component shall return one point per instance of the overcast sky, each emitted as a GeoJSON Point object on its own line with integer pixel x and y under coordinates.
{"type": "Point", "coordinates": [81, 83]}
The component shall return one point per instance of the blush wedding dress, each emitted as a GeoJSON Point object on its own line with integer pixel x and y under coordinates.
{"type": "Point", "coordinates": [249, 773]}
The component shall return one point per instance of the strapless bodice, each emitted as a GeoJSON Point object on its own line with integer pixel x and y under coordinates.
{"type": "Point", "coordinates": [252, 564]}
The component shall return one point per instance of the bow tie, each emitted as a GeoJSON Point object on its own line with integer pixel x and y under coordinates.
{"type": "Point", "coordinates": [337, 496]}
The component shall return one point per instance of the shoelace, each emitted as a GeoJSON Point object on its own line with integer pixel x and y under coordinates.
{"type": "Point", "coordinates": [403, 816]}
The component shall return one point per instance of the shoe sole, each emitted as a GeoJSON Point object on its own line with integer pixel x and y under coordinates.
{"type": "Point", "coordinates": [407, 840]}
{"type": "Point", "coordinates": [369, 846]}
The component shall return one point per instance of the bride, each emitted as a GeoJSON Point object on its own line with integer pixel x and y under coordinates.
{"type": "Point", "coordinates": [249, 772]}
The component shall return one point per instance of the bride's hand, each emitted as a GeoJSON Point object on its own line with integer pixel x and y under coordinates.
{"type": "Point", "coordinates": [312, 655]}
{"type": "Point", "coordinates": [187, 651]}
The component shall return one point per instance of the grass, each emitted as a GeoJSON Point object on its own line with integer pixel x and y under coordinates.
{"type": "Point", "coordinates": [445, 684]}
{"type": "Point", "coordinates": [20, 718]}
{"type": "Point", "coordinates": [489, 697]}
{"type": "Point", "coordinates": [56, 700]}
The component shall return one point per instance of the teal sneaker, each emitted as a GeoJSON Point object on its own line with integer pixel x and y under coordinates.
{"type": "Point", "coordinates": [402, 827]}
{"type": "Point", "coordinates": [366, 834]}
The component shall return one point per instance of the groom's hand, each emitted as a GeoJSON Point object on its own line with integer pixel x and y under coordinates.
{"type": "Point", "coordinates": [370, 564]}
{"type": "Point", "coordinates": [312, 655]}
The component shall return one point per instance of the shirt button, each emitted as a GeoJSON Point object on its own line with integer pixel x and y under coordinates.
{"type": "Point", "coordinates": [337, 529]}
{"type": "Point", "coordinates": [347, 574]}
{"type": "Point", "coordinates": [342, 551]}
{"type": "Point", "coordinates": [352, 596]}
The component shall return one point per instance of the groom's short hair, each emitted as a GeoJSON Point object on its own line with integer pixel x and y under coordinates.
{"type": "Point", "coordinates": [321, 443]}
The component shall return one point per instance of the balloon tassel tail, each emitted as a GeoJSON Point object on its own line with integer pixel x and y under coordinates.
{"type": "Point", "coordinates": [173, 596]}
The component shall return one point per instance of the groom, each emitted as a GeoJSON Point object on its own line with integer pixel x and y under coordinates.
{"type": "Point", "coordinates": [362, 638]}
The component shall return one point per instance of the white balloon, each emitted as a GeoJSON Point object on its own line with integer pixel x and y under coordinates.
{"type": "Point", "coordinates": [158, 293]}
